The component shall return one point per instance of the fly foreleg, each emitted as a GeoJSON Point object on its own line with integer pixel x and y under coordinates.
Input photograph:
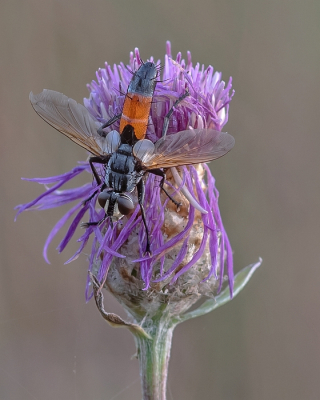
{"type": "Point", "coordinates": [87, 224]}
{"type": "Point", "coordinates": [94, 193]}
{"type": "Point", "coordinates": [98, 160]}
{"type": "Point", "coordinates": [141, 192]}
{"type": "Point", "coordinates": [159, 172]}
{"type": "Point", "coordinates": [108, 123]}
{"type": "Point", "coordinates": [168, 116]}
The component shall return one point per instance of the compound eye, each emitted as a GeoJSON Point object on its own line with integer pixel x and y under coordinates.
{"type": "Point", "coordinates": [103, 198]}
{"type": "Point", "coordinates": [125, 204]}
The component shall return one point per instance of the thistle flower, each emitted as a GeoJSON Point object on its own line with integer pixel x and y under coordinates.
{"type": "Point", "coordinates": [191, 253]}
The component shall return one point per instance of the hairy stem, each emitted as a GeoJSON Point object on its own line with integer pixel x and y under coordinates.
{"type": "Point", "coordinates": [154, 357]}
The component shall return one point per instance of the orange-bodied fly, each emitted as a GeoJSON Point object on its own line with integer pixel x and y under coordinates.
{"type": "Point", "coordinates": [126, 155]}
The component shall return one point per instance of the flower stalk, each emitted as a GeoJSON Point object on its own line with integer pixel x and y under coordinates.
{"type": "Point", "coordinates": [153, 333]}
{"type": "Point", "coordinates": [154, 357]}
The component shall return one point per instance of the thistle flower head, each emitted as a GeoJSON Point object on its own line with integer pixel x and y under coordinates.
{"type": "Point", "coordinates": [191, 254]}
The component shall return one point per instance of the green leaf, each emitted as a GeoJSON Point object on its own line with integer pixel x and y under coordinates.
{"type": "Point", "coordinates": [240, 280]}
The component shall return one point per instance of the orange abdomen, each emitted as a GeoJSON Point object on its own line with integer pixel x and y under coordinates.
{"type": "Point", "coordinates": [135, 112]}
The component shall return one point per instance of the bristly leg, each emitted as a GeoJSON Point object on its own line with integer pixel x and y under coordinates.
{"type": "Point", "coordinates": [108, 123]}
{"type": "Point", "coordinates": [94, 193]}
{"type": "Point", "coordinates": [168, 116]}
{"type": "Point", "coordinates": [159, 172]}
{"type": "Point", "coordinates": [87, 224]}
{"type": "Point", "coordinates": [141, 193]}
{"type": "Point", "coordinates": [98, 160]}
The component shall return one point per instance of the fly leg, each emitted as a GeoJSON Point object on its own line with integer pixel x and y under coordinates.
{"type": "Point", "coordinates": [101, 189]}
{"type": "Point", "coordinates": [159, 172]}
{"type": "Point", "coordinates": [141, 192]}
{"type": "Point", "coordinates": [167, 117]}
{"type": "Point", "coordinates": [98, 160]}
{"type": "Point", "coordinates": [108, 123]}
{"type": "Point", "coordinates": [87, 224]}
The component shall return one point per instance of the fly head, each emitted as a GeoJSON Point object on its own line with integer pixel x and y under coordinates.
{"type": "Point", "coordinates": [115, 204]}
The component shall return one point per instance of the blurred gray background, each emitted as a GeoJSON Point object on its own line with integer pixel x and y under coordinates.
{"type": "Point", "coordinates": [263, 345]}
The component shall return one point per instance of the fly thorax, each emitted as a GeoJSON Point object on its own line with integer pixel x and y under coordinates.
{"type": "Point", "coordinates": [125, 149]}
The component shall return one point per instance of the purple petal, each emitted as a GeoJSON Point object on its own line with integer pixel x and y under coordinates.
{"type": "Point", "coordinates": [56, 229]}
{"type": "Point", "coordinates": [195, 258]}
{"type": "Point", "coordinates": [180, 257]}
{"type": "Point", "coordinates": [72, 228]}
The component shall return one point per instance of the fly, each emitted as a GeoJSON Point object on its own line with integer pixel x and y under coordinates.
{"type": "Point", "coordinates": [126, 155]}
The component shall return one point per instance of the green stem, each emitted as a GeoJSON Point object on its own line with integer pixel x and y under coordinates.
{"type": "Point", "coordinates": [154, 358]}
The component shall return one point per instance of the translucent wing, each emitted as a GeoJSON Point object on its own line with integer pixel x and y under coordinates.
{"type": "Point", "coordinates": [189, 147]}
{"type": "Point", "coordinates": [68, 117]}
{"type": "Point", "coordinates": [143, 149]}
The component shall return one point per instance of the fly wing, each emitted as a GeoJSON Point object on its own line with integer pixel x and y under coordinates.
{"type": "Point", "coordinates": [68, 117]}
{"type": "Point", "coordinates": [189, 147]}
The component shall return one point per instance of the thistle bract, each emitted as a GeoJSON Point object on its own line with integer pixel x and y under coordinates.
{"type": "Point", "coordinates": [191, 254]}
